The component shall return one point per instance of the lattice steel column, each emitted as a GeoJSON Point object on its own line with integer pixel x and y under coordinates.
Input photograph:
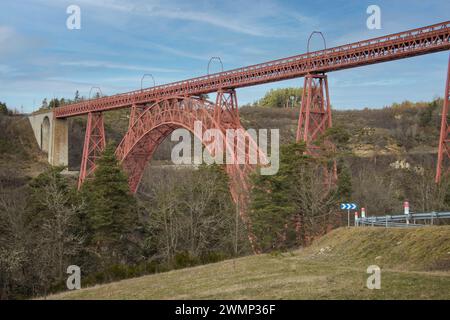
{"type": "Point", "coordinates": [94, 144]}
{"type": "Point", "coordinates": [315, 118]}
{"type": "Point", "coordinates": [315, 111]}
{"type": "Point", "coordinates": [135, 111]}
{"type": "Point", "coordinates": [444, 140]}
{"type": "Point", "coordinates": [226, 115]}
{"type": "Point", "coordinates": [226, 111]}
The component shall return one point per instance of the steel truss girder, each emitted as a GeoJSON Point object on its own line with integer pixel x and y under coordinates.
{"type": "Point", "coordinates": [400, 45]}
{"type": "Point", "coordinates": [443, 165]}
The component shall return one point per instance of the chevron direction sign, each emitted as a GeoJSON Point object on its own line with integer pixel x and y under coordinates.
{"type": "Point", "coordinates": [348, 206]}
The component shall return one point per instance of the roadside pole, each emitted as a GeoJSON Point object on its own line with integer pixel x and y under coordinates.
{"type": "Point", "coordinates": [236, 229]}
{"type": "Point", "coordinates": [363, 215]}
{"type": "Point", "coordinates": [406, 210]}
{"type": "Point", "coordinates": [348, 207]}
{"type": "Point", "coordinates": [348, 217]}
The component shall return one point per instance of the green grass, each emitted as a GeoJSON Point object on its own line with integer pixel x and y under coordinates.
{"type": "Point", "coordinates": [414, 265]}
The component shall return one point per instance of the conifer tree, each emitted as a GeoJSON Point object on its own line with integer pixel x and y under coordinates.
{"type": "Point", "coordinates": [292, 207]}
{"type": "Point", "coordinates": [111, 208]}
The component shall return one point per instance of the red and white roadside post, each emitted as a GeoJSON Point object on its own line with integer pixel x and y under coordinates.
{"type": "Point", "coordinates": [406, 210]}
{"type": "Point", "coordinates": [356, 218]}
{"type": "Point", "coordinates": [363, 214]}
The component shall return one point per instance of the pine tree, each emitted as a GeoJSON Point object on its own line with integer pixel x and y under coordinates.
{"type": "Point", "coordinates": [344, 183]}
{"type": "Point", "coordinates": [77, 96]}
{"type": "Point", "coordinates": [52, 223]}
{"type": "Point", "coordinates": [295, 205]}
{"type": "Point", "coordinates": [3, 108]}
{"type": "Point", "coordinates": [44, 104]}
{"type": "Point", "coordinates": [54, 103]}
{"type": "Point", "coordinates": [271, 203]}
{"type": "Point", "coordinates": [111, 208]}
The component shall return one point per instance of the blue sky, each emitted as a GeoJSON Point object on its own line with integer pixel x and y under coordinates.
{"type": "Point", "coordinates": [120, 40]}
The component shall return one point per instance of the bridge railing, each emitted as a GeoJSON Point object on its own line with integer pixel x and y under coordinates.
{"type": "Point", "coordinates": [402, 44]}
{"type": "Point", "coordinates": [402, 220]}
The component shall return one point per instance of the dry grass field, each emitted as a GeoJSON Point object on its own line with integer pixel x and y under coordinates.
{"type": "Point", "coordinates": [415, 264]}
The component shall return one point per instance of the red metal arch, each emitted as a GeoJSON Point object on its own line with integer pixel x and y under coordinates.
{"type": "Point", "coordinates": [158, 120]}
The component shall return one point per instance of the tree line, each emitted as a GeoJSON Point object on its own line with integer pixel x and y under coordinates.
{"type": "Point", "coordinates": [59, 102]}
{"type": "Point", "coordinates": [108, 232]}
{"type": "Point", "coordinates": [183, 218]}
{"type": "Point", "coordinates": [280, 98]}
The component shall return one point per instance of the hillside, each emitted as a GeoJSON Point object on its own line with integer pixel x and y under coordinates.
{"type": "Point", "coordinates": [380, 179]}
{"type": "Point", "coordinates": [401, 130]}
{"type": "Point", "coordinates": [391, 151]}
{"type": "Point", "coordinates": [415, 264]}
{"type": "Point", "coordinates": [20, 157]}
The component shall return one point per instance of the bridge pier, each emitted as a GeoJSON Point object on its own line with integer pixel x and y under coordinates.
{"type": "Point", "coordinates": [315, 118]}
{"type": "Point", "coordinates": [315, 110]}
{"type": "Point", "coordinates": [226, 111]}
{"type": "Point", "coordinates": [443, 166]}
{"type": "Point", "coordinates": [52, 136]}
{"type": "Point", "coordinates": [94, 144]}
{"type": "Point", "coordinates": [59, 151]}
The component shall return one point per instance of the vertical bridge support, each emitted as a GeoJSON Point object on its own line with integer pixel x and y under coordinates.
{"type": "Point", "coordinates": [315, 111]}
{"type": "Point", "coordinates": [444, 140]}
{"type": "Point", "coordinates": [59, 151]}
{"type": "Point", "coordinates": [135, 112]}
{"type": "Point", "coordinates": [315, 118]}
{"type": "Point", "coordinates": [226, 111]}
{"type": "Point", "coordinates": [226, 115]}
{"type": "Point", "coordinates": [94, 144]}
{"type": "Point", "coordinates": [52, 136]}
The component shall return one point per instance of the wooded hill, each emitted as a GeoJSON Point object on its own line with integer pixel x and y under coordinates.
{"type": "Point", "coordinates": [182, 218]}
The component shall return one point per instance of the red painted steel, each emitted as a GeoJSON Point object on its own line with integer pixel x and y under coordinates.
{"type": "Point", "coordinates": [401, 45]}
{"type": "Point", "coordinates": [315, 118]}
{"type": "Point", "coordinates": [161, 118]}
{"type": "Point", "coordinates": [157, 111]}
{"type": "Point", "coordinates": [226, 110]}
{"type": "Point", "coordinates": [444, 140]}
{"type": "Point", "coordinates": [315, 110]}
{"type": "Point", "coordinates": [94, 144]}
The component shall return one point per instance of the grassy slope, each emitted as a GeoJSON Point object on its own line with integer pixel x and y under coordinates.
{"type": "Point", "coordinates": [414, 263]}
{"type": "Point", "coordinates": [20, 157]}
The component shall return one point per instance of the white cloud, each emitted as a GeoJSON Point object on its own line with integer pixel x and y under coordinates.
{"type": "Point", "coordinates": [216, 20]}
{"type": "Point", "coordinates": [11, 42]}
{"type": "Point", "coordinates": [240, 17]}
{"type": "Point", "coordinates": [6, 34]}
{"type": "Point", "coordinates": [375, 83]}
{"type": "Point", "coordinates": [111, 65]}
{"type": "Point", "coordinates": [5, 69]}
{"type": "Point", "coordinates": [180, 53]}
